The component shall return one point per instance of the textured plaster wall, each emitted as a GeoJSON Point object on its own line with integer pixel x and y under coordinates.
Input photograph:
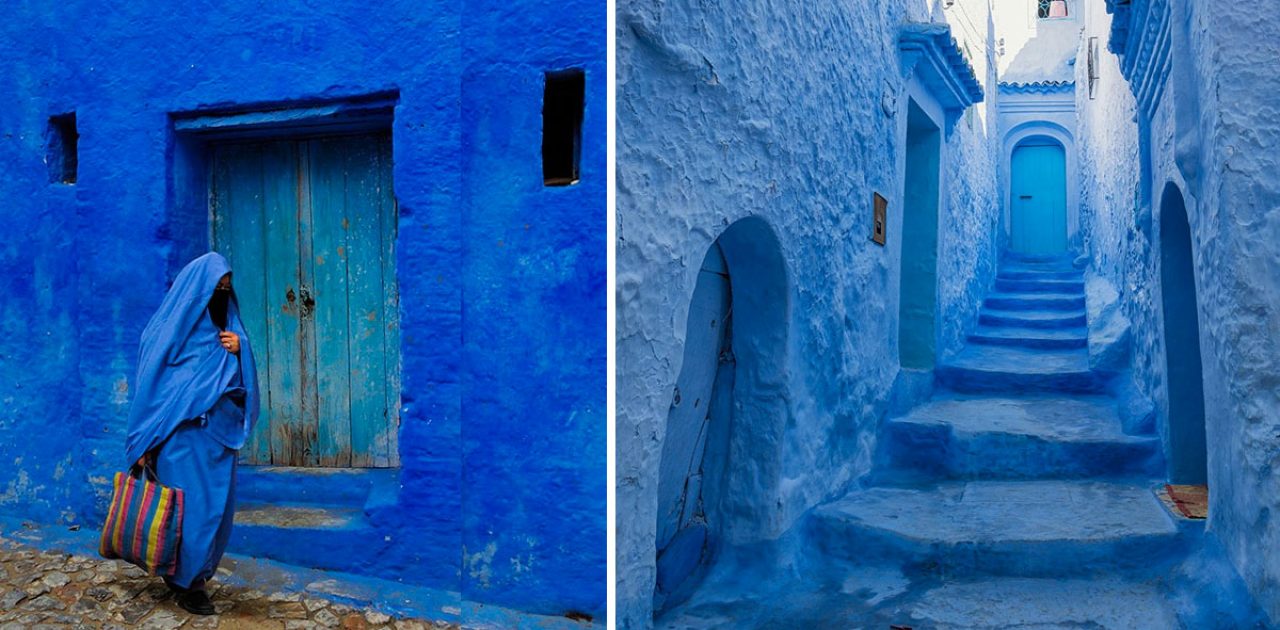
{"type": "Point", "coordinates": [1107, 146]}
{"type": "Point", "coordinates": [755, 110]}
{"type": "Point", "coordinates": [501, 281]}
{"type": "Point", "coordinates": [1214, 132]}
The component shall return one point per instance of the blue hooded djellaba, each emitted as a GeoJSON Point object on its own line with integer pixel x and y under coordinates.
{"type": "Point", "coordinates": [194, 405]}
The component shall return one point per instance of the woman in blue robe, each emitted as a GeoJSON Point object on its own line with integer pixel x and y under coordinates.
{"type": "Point", "coordinates": [195, 403]}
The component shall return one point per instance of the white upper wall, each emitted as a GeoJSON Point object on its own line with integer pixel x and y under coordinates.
{"type": "Point", "coordinates": [972, 26]}
{"type": "Point", "coordinates": [1031, 49]}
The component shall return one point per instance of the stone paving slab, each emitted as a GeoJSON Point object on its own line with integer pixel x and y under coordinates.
{"type": "Point", "coordinates": [47, 589]}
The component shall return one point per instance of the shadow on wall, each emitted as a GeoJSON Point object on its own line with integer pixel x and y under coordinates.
{"type": "Point", "coordinates": [1186, 435]}
{"type": "Point", "coordinates": [721, 457]}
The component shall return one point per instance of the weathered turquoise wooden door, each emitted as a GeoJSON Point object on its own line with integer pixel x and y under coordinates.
{"type": "Point", "coordinates": [309, 227]}
{"type": "Point", "coordinates": [1038, 180]}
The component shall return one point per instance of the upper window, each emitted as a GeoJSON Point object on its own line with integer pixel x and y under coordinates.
{"type": "Point", "coordinates": [1051, 9]}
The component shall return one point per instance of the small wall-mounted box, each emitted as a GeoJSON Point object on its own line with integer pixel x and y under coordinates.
{"type": "Point", "coordinates": [879, 222]}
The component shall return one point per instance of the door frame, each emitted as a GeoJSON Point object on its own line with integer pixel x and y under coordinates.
{"type": "Point", "coordinates": [189, 224]}
{"type": "Point", "coordinates": [1061, 135]}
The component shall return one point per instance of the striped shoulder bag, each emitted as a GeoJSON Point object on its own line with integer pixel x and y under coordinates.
{"type": "Point", "coordinates": [144, 524]}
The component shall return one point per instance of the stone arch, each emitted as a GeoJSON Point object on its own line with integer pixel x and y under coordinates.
{"type": "Point", "coordinates": [1184, 373]}
{"type": "Point", "coordinates": [1017, 135]}
{"type": "Point", "coordinates": [721, 455]}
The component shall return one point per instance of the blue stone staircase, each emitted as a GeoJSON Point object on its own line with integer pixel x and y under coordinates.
{"type": "Point", "coordinates": [1018, 467]}
{"type": "Point", "coordinates": [1013, 497]}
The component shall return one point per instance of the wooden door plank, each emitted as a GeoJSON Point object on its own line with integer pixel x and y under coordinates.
{"type": "Point", "coordinates": [280, 210]}
{"type": "Point", "coordinates": [366, 310]}
{"type": "Point", "coordinates": [307, 435]}
{"type": "Point", "coordinates": [239, 236]}
{"type": "Point", "coordinates": [329, 268]}
{"type": "Point", "coordinates": [390, 301]}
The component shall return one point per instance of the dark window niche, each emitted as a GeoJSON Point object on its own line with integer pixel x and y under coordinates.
{"type": "Point", "coordinates": [62, 152]}
{"type": "Point", "coordinates": [562, 105]}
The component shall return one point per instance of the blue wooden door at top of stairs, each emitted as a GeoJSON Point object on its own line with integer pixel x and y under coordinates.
{"type": "Point", "coordinates": [1038, 183]}
{"type": "Point", "coordinates": [309, 227]}
{"type": "Point", "coordinates": [702, 391]}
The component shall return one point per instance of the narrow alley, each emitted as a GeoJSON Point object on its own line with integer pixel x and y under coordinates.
{"type": "Point", "coordinates": [948, 314]}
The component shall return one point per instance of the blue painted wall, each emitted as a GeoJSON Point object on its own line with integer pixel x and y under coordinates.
{"type": "Point", "coordinates": [501, 491]}
{"type": "Point", "coordinates": [1207, 126]}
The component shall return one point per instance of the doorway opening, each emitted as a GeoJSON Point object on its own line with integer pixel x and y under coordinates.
{"type": "Point", "coordinates": [918, 287]}
{"type": "Point", "coordinates": [721, 453]}
{"type": "Point", "coordinates": [308, 224]}
{"type": "Point", "coordinates": [1188, 461]}
{"type": "Point", "coordinates": [1038, 194]}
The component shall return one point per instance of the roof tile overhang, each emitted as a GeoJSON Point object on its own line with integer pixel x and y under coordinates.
{"type": "Point", "coordinates": [930, 53]}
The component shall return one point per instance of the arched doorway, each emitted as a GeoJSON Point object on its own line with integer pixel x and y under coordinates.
{"type": "Point", "coordinates": [1184, 373]}
{"type": "Point", "coordinates": [1038, 196]}
{"type": "Point", "coordinates": [918, 286]}
{"type": "Point", "coordinates": [724, 407]}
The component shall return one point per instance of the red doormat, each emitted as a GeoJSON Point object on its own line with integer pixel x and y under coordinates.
{"type": "Point", "coordinates": [1192, 501]}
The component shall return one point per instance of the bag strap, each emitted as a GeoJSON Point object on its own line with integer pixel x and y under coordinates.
{"type": "Point", "coordinates": [148, 468]}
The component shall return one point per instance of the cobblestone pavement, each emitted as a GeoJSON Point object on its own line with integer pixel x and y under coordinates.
{"type": "Point", "coordinates": [44, 589]}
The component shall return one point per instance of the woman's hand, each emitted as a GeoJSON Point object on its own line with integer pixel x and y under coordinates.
{"type": "Point", "coordinates": [230, 341]}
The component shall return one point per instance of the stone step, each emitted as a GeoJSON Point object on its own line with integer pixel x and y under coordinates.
{"type": "Point", "coordinates": [1030, 337]}
{"type": "Point", "coordinates": [1034, 301]}
{"type": "Point", "coordinates": [1064, 259]}
{"type": "Point", "coordinates": [1040, 285]}
{"type": "Point", "coordinates": [297, 485]}
{"type": "Point", "coordinates": [312, 535]}
{"type": "Point", "coordinates": [1033, 319]}
{"type": "Point", "coordinates": [1024, 437]}
{"type": "Point", "coordinates": [1006, 369]}
{"type": "Point", "coordinates": [1023, 273]}
{"type": "Point", "coordinates": [1023, 528]}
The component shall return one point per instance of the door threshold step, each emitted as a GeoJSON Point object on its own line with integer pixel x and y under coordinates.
{"type": "Point", "coordinates": [323, 537]}
{"type": "Point", "coordinates": [348, 487]}
{"type": "Point", "coordinates": [302, 517]}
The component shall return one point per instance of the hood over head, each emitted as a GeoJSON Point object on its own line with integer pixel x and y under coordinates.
{"type": "Point", "coordinates": [182, 367]}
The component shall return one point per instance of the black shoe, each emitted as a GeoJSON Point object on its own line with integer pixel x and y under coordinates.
{"type": "Point", "coordinates": [195, 602]}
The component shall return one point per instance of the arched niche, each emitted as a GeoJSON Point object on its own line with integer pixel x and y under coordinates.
{"type": "Point", "coordinates": [720, 468]}
{"type": "Point", "coordinates": [1184, 374]}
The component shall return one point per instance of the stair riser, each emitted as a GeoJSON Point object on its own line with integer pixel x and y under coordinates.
{"type": "Point", "coordinates": [1030, 342]}
{"type": "Point", "coordinates": [1015, 258]}
{"type": "Point", "coordinates": [1066, 321]}
{"type": "Point", "coordinates": [1031, 274]}
{"type": "Point", "coordinates": [981, 381]}
{"type": "Point", "coordinates": [328, 549]}
{"type": "Point", "coordinates": [1040, 286]}
{"type": "Point", "coordinates": [844, 540]}
{"type": "Point", "coordinates": [940, 453]}
{"type": "Point", "coordinates": [1035, 303]}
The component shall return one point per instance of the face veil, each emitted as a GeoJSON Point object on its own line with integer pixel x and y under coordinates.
{"type": "Point", "coordinates": [218, 307]}
{"type": "Point", "coordinates": [182, 367]}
